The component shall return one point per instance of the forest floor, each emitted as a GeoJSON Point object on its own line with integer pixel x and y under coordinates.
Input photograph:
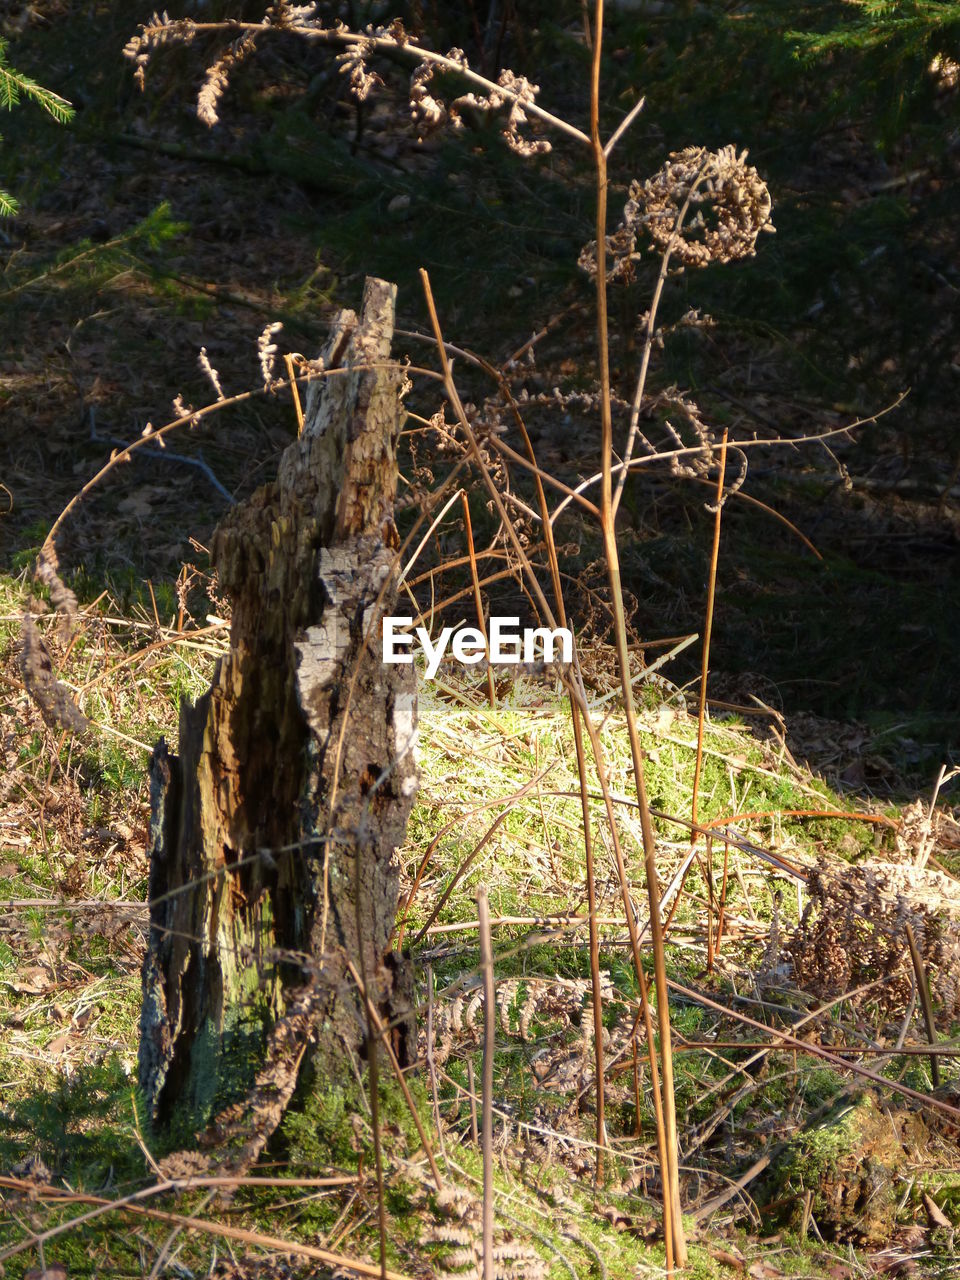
{"type": "Point", "coordinates": [143, 238]}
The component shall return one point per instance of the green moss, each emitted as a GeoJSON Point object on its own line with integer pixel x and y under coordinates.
{"type": "Point", "coordinates": [849, 1165]}
{"type": "Point", "coordinates": [329, 1125]}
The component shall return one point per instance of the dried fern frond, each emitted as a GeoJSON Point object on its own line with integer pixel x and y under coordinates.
{"type": "Point", "coordinates": [459, 1235]}
{"type": "Point", "coordinates": [160, 30]}
{"type": "Point", "coordinates": [353, 64]}
{"type": "Point", "coordinates": [520, 1001]}
{"type": "Point", "coordinates": [701, 207]}
{"type": "Point", "coordinates": [731, 202]}
{"type": "Point", "coordinates": [852, 932]}
{"type": "Point", "coordinates": [217, 78]}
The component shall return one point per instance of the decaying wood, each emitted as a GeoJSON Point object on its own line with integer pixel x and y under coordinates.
{"type": "Point", "coordinates": [275, 830]}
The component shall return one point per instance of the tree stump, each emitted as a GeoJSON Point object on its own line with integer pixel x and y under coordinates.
{"type": "Point", "coordinates": [275, 829]}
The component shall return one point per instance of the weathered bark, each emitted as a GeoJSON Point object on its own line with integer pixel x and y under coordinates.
{"type": "Point", "coordinates": [275, 830]}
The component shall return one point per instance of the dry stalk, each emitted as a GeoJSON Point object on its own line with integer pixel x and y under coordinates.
{"type": "Point", "coordinates": [648, 341]}
{"type": "Point", "coordinates": [506, 801]}
{"type": "Point", "coordinates": [923, 987]}
{"type": "Point", "coordinates": [292, 378]}
{"type": "Point", "coordinates": [693, 451]}
{"type": "Point", "coordinates": [590, 875]}
{"type": "Point", "coordinates": [708, 627]}
{"type": "Point", "coordinates": [577, 694]}
{"type": "Point", "coordinates": [384, 1038]}
{"type": "Point", "coordinates": [924, 1100]}
{"type": "Point", "coordinates": [472, 1086]}
{"type": "Point", "coordinates": [431, 1063]}
{"type": "Point", "coordinates": [702, 710]}
{"type": "Point", "coordinates": [630, 915]}
{"type": "Point", "coordinates": [677, 1254]}
{"type": "Point", "coordinates": [671, 1213]}
{"type": "Point", "coordinates": [489, 1048]}
{"type": "Point", "coordinates": [466, 864]}
{"type": "Point", "coordinates": [481, 622]}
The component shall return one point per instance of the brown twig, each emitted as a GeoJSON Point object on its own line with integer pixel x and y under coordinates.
{"type": "Point", "coordinates": [472, 1086]}
{"type": "Point", "coordinates": [506, 801]}
{"type": "Point", "coordinates": [707, 867]}
{"type": "Point", "coordinates": [431, 1063]}
{"type": "Point", "coordinates": [925, 1100]}
{"type": "Point", "coordinates": [576, 693]}
{"type": "Point", "coordinates": [855, 1050]}
{"type": "Point", "coordinates": [373, 1073]}
{"type": "Point", "coordinates": [467, 863]}
{"type": "Point", "coordinates": [708, 626]}
{"type": "Point", "coordinates": [294, 391]}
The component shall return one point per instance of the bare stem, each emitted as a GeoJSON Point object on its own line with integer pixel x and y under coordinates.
{"type": "Point", "coordinates": [590, 875]}
{"type": "Point", "coordinates": [923, 986]}
{"type": "Point", "coordinates": [489, 1046]}
{"type": "Point", "coordinates": [478, 602]}
{"type": "Point", "coordinates": [669, 1165]}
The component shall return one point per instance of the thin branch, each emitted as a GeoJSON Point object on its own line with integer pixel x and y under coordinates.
{"type": "Point", "coordinates": [925, 1100]}
{"type": "Point", "coordinates": [696, 450]}
{"type": "Point", "coordinates": [377, 1023]}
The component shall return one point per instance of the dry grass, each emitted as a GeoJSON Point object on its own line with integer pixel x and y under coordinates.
{"type": "Point", "coordinates": [73, 818]}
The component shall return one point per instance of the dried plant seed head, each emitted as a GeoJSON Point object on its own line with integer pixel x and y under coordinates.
{"type": "Point", "coordinates": [522, 92]}
{"type": "Point", "coordinates": [217, 79]}
{"type": "Point", "coordinates": [621, 255]}
{"type": "Point", "coordinates": [430, 112]}
{"type": "Point", "coordinates": [427, 112]}
{"type": "Point", "coordinates": [203, 360]}
{"type": "Point", "coordinates": [161, 29]}
{"type": "Point", "coordinates": [291, 16]}
{"type": "Point", "coordinates": [267, 352]}
{"type": "Point", "coordinates": [182, 410]}
{"type": "Point", "coordinates": [353, 63]}
{"type": "Point", "coordinates": [702, 207]}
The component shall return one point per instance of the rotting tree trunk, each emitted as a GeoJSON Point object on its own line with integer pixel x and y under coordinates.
{"type": "Point", "coordinates": [275, 830]}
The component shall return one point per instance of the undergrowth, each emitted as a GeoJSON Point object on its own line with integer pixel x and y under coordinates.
{"type": "Point", "coordinates": [71, 986]}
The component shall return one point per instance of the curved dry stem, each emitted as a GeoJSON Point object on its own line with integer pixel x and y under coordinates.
{"type": "Point", "coordinates": [119, 456]}
{"type": "Point", "coordinates": [393, 45]}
